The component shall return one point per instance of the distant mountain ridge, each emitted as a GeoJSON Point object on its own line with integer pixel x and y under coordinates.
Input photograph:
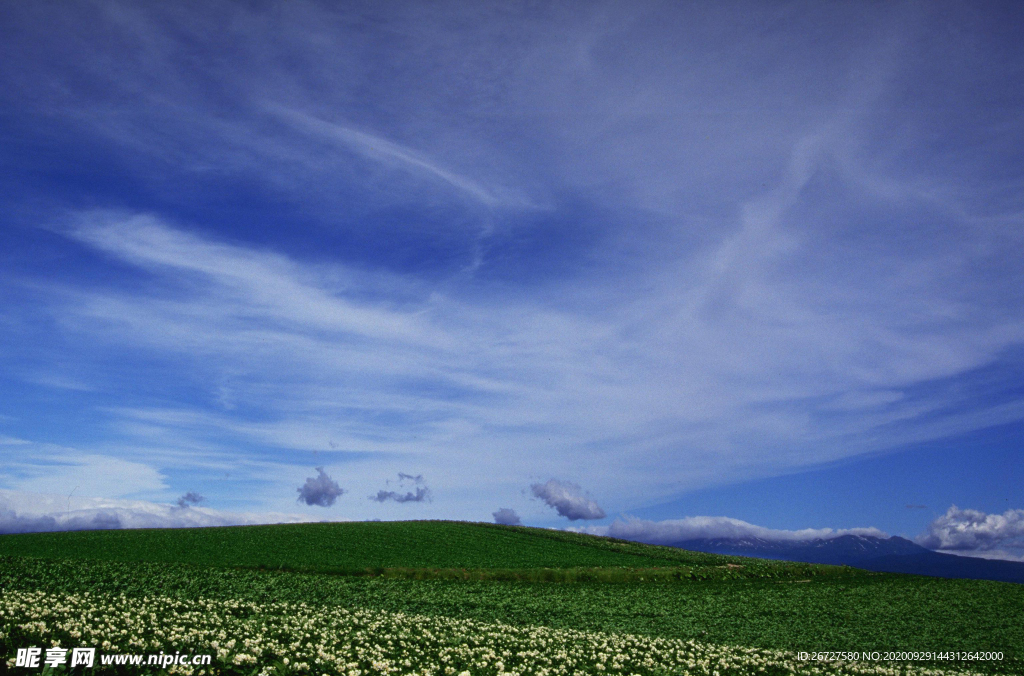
{"type": "Point", "coordinates": [888, 555]}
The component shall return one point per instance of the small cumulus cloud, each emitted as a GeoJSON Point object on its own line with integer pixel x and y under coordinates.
{"type": "Point", "coordinates": [971, 530]}
{"type": "Point", "coordinates": [714, 527]}
{"type": "Point", "coordinates": [320, 490]}
{"type": "Point", "coordinates": [421, 494]}
{"type": "Point", "coordinates": [568, 500]}
{"type": "Point", "coordinates": [507, 517]}
{"type": "Point", "coordinates": [189, 499]}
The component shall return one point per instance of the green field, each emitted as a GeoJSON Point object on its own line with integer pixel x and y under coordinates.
{"type": "Point", "coordinates": [440, 570]}
{"type": "Point", "coordinates": [395, 548]}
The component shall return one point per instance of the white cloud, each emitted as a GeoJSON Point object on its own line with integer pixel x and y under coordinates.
{"type": "Point", "coordinates": [320, 490]}
{"type": "Point", "coordinates": [43, 468]}
{"type": "Point", "coordinates": [971, 531]}
{"type": "Point", "coordinates": [774, 265]}
{"type": "Point", "coordinates": [994, 554]}
{"type": "Point", "coordinates": [711, 527]}
{"type": "Point", "coordinates": [685, 388]}
{"type": "Point", "coordinates": [59, 381]}
{"type": "Point", "coordinates": [568, 500]}
{"type": "Point", "coordinates": [251, 283]}
{"type": "Point", "coordinates": [22, 512]}
{"type": "Point", "coordinates": [506, 517]}
{"type": "Point", "coordinates": [383, 150]}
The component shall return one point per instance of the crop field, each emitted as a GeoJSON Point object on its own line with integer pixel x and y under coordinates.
{"type": "Point", "coordinates": [412, 610]}
{"type": "Point", "coordinates": [351, 548]}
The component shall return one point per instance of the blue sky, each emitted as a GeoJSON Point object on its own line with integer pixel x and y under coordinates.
{"type": "Point", "coordinates": [756, 260]}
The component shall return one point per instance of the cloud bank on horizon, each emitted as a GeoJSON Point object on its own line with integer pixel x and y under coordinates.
{"type": "Point", "coordinates": [961, 532]}
{"type": "Point", "coordinates": [674, 531]}
{"type": "Point", "coordinates": [964, 532]}
{"type": "Point", "coordinates": [646, 247]}
{"type": "Point", "coordinates": [43, 513]}
{"type": "Point", "coordinates": [973, 532]}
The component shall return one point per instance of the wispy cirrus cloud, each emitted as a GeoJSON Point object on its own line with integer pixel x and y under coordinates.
{"type": "Point", "coordinates": [382, 150]}
{"type": "Point", "coordinates": [750, 258]}
{"type": "Point", "coordinates": [337, 369]}
{"type": "Point", "coordinates": [47, 468]}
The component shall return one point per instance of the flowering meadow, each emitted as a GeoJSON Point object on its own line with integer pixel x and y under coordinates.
{"type": "Point", "coordinates": [451, 599]}
{"type": "Point", "coordinates": [296, 638]}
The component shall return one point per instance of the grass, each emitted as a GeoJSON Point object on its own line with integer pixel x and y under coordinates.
{"type": "Point", "coordinates": [415, 549]}
{"type": "Point", "coordinates": [470, 571]}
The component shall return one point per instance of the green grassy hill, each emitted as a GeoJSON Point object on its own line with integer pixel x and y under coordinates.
{"type": "Point", "coordinates": [504, 574]}
{"type": "Point", "coordinates": [361, 546]}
